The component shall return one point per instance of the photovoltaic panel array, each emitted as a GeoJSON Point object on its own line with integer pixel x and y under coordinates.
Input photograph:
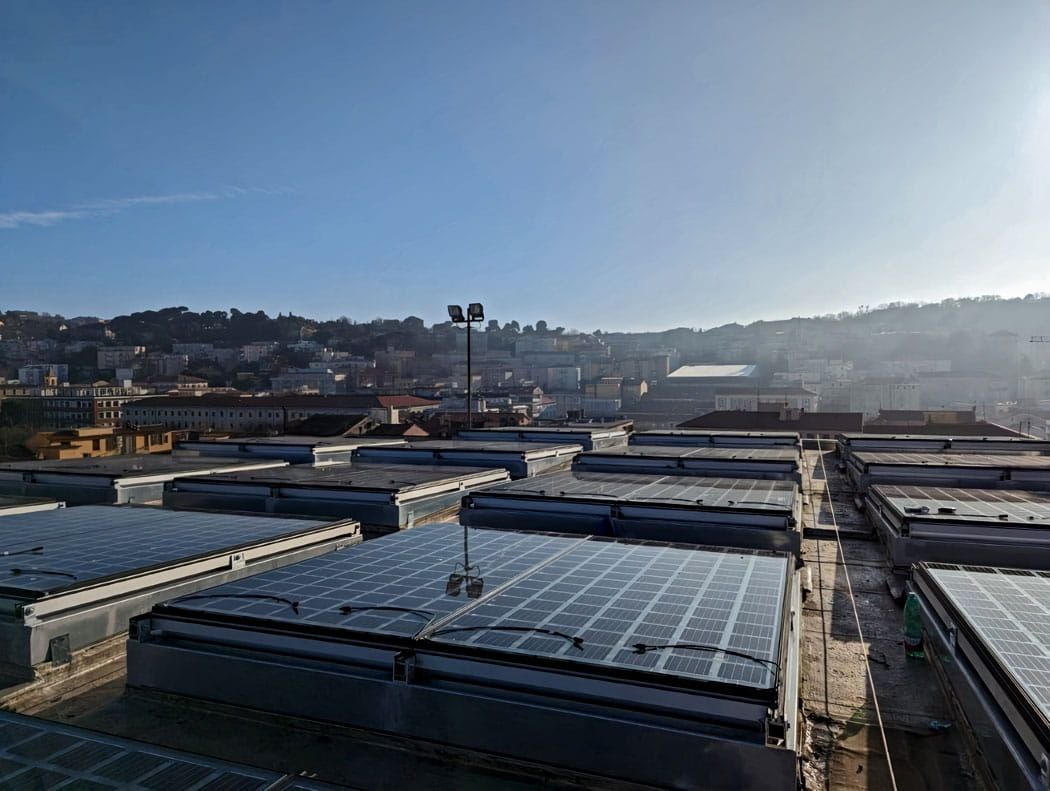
{"type": "Point", "coordinates": [493, 446]}
{"type": "Point", "coordinates": [56, 550]}
{"type": "Point", "coordinates": [35, 754]}
{"type": "Point", "coordinates": [135, 466]}
{"type": "Point", "coordinates": [385, 477]}
{"type": "Point", "coordinates": [975, 504]}
{"type": "Point", "coordinates": [401, 577]}
{"type": "Point", "coordinates": [690, 452]}
{"type": "Point", "coordinates": [1010, 613]}
{"type": "Point", "coordinates": [954, 460]}
{"type": "Point", "coordinates": [669, 489]}
{"type": "Point", "coordinates": [722, 609]}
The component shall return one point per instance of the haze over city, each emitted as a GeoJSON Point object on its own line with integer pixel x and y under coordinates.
{"type": "Point", "coordinates": [623, 165]}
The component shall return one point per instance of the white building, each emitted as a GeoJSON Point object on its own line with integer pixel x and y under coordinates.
{"type": "Point", "coordinates": [872, 395]}
{"type": "Point", "coordinates": [563, 378]}
{"type": "Point", "coordinates": [112, 357]}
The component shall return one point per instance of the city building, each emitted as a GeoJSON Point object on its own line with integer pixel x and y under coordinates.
{"type": "Point", "coordinates": [109, 358]}
{"type": "Point", "coordinates": [767, 398]}
{"type": "Point", "coordinates": [83, 443]}
{"type": "Point", "coordinates": [266, 414]}
{"type": "Point", "coordinates": [44, 374]}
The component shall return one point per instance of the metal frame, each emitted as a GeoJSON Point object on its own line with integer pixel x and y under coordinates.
{"type": "Point", "coordinates": [12, 506]}
{"type": "Point", "coordinates": [774, 464]}
{"type": "Point", "coordinates": [698, 438]}
{"type": "Point", "coordinates": [912, 537]}
{"type": "Point", "coordinates": [738, 525]}
{"type": "Point", "coordinates": [588, 438]}
{"type": "Point", "coordinates": [937, 443]}
{"type": "Point", "coordinates": [294, 450]}
{"type": "Point", "coordinates": [84, 613]}
{"type": "Point", "coordinates": [692, 732]}
{"type": "Point", "coordinates": [954, 470]}
{"type": "Point", "coordinates": [36, 753]}
{"type": "Point", "coordinates": [380, 508]}
{"type": "Point", "coordinates": [520, 462]}
{"type": "Point", "coordinates": [105, 480]}
{"type": "Point", "coordinates": [1013, 736]}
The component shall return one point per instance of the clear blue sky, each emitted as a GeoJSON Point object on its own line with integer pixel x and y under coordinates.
{"type": "Point", "coordinates": [594, 164]}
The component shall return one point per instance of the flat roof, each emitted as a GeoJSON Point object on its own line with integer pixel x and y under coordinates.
{"type": "Point", "coordinates": [688, 451]}
{"type": "Point", "coordinates": [306, 441]}
{"type": "Point", "coordinates": [711, 371]}
{"type": "Point", "coordinates": [715, 434]}
{"type": "Point", "coordinates": [494, 446]}
{"type": "Point", "coordinates": [1001, 506]}
{"type": "Point", "coordinates": [952, 460]}
{"type": "Point", "coordinates": [52, 552]}
{"type": "Point", "coordinates": [10, 503]}
{"type": "Point", "coordinates": [968, 439]}
{"type": "Point", "coordinates": [591, 430]}
{"type": "Point", "coordinates": [713, 493]}
{"type": "Point", "coordinates": [1002, 613]}
{"type": "Point", "coordinates": [676, 649]}
{"type": "Point", "coordinates": [358, 476]}
{"type": "Point", "coordinates": [35, 753]}
{"type": "Point", "coordinates": [396, 585]}
{"type": "Point", "coordinates": [140, 466]}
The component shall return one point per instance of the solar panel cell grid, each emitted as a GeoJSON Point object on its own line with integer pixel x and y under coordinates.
{"type": "Point", "coordinates": [36, 755]}
{"type": "Point", "coordinates": [687, 451]}
{"type": "Point", "coordinates": [1017, 506]}
{"type": "Point", "coordinates": [404, 570]}
{"type": "Point", "coordinates": [954, 460]}
{"type": "Point", "coordinates": [394, 477]}
{"type": "Point", "coordinates": [709, 492]}
{"type": "Point", "coordinates": [1010, 611]}
{"type": "Point", "coordinates": [614, 596]}
{"type": "Point", "coordinates": [90, 542]}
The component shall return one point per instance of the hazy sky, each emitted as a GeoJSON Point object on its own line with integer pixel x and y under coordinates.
{"type": "Point", "coordinates": [594, 164]}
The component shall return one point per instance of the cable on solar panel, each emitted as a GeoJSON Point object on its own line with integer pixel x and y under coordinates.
{"type": "Point", "coordinates": [8, 553]}
{"type": "Point", "coordinates": [350, 609]}
{"type": "Point", "coordinates": [261, 596]}
{"type": "Point", "coordinates": [645, 648]}
{"type": "Point", "coordinates": [856, 617]}
{"type": "Point", "coordinates": [46, 572]}
{"type": "Point", "coordinates": [577, 642]}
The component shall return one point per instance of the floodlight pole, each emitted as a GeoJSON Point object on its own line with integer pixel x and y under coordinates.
{"type": "Point", "coordinates": [470, 383]}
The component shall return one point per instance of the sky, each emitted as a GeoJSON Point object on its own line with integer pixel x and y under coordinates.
{"type": "Point", "coordinates": [613, 165]}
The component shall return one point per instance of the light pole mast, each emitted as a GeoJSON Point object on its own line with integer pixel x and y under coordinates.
{"type": "Point", "coordinates": [475, 314]}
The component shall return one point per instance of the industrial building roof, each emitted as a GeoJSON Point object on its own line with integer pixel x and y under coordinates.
{"type": "Point", "coordinates": [711, 371]}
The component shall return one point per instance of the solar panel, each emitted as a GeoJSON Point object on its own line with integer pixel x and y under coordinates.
{"type": "Point", "coordinates": [393, 585]}
{"type": "Point", "coordinates": [136, 465]}
{"type": "Point", "coordinates": [631, 604]}
{"type": "Point", "coordinates": [36, 754]}
{"type": "Point", "coordinates": [687, 451]}
{"type": "Point", "coordinates": [465, 445]}
{"type": "Point", "coordinates": [1010, 612]}
{"type": "Point", "coordinates": [1000, 505]}
{"type": "Point", "coordinates": [953, 460]}
{"type": "Point", "coordinates": [662, 489]}
{"type": "Point", "coordinates": [384, 477]}
{"type": "Point", "coordinates": [75, 546]}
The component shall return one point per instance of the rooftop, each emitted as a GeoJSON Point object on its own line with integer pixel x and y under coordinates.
{"type": "Point", "coordinates": [711, 371]}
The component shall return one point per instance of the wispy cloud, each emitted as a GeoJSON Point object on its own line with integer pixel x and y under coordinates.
{"type": "Point", "coordinates": [108, 206]}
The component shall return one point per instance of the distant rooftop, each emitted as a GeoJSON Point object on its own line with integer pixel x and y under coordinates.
{"type": "Point", "coordinates": [711, 371]}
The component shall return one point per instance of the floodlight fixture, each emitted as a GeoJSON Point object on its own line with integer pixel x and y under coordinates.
{"type": "Point", "coordinates": [454, 584]}
{"type": "Point", "coordinates": [475, 312]}
{"type": "Point", "coordinates": [455, 312]}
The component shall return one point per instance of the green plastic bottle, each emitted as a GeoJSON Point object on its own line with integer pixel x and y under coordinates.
{"type": "Point", "coordinates": [913, 628]}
